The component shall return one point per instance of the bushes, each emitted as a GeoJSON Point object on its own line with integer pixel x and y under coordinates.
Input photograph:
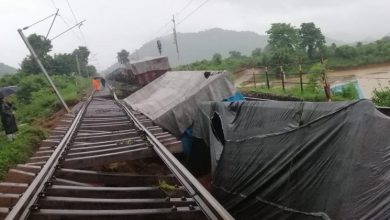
{"type": "Point", "coordinates": [341, 57]}
{"type": "Point", "coordinates": [382, 97]}
{"type": "Point", "coordinates": [307, 95]}
{"type": "Point", "coordinates": [313, 92]}
{"type": "Point", "coordinates": [348, 92]}
{"type": "Point", "coordinates": [34, 101]}
{"type": "Point", "coordinates": [19, 150]}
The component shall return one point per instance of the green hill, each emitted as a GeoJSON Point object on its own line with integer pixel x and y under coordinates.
{"type": "Point", "coordinates": [202, 45]}
{"type": "Point", "coordinates": [5, 69]}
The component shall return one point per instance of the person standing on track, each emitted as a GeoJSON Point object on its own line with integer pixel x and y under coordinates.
{"type": "Point", "coordinates": [96, 84]}
{"type": "Point", "coordinates": [8, 119]}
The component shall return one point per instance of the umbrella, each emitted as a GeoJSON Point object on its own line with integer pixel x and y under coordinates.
{"type": "Point", "coordinates": [8, 90]}
{"type": "Point", "coordinates": [98, 77]}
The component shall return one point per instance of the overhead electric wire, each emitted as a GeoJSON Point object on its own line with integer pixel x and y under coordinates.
{"type": "Point", "coordinates": [39, 21]}
{"type": "Point", "coordinates": [177, 14]}
{"type": "Point", "coordinates": [67, 24]}
{"type": "Point", "coordinates": [160, 29]}
{"type": "Point", "coordinates": [84, 39]}
{"type": "Point", "coordinates": [54, 4]}
{"type": "Point", "coordinates": [169, 21]}
{"type": "Point", "coordinates": [78, 24]}
{"type": "Point", "coordinates": [184, 8]}
{"type": "Point", "coordinates": [52, 23]}
{"type": "Point", "coordinates": [75, 18]}
{"type": "Point", "coordinates": [71, 10]}
{"type": "Point", "coordinates": [192, 12]}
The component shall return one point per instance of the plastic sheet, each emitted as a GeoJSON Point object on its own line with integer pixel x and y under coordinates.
{"type": "Point", "coordinates": [172, 100]}
{"type": "Point", "coordinates": [298, 160]}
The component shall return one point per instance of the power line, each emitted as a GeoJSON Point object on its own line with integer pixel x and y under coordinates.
{"type": "Point", "coordinates": [82, 35]}
{"type": "Point", "coordinates": [169, 22]}
{"type": "Point", "coordinates": [71, 10]}
{"type": "Point", "coordinates": [161, 28]}
{"type": "Point", "coordinates": [184, 8]}
{"type": "Point", "coordinates": [75, 18]}
{"type": "Point", "coordinates": [54, 4]}
{"type": "Point", "coordinates": [182, 20]}
{"type": "Point", "coordinates": [39, 21]}
{"type": "Point", "coordinates": [78, 24]}
{"type": "Point", "coordinates": [52, 23]}
{"type": "Point", "coordinates": [192, 12]}
{"type": "Point", "coordinates": [67, 24]}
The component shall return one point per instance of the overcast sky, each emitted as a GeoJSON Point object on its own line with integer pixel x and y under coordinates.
{"type": "Point", "coordinates": [113, 25]}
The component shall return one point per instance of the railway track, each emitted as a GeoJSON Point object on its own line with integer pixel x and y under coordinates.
{"type": "Point", "coordinates": [63, 180]}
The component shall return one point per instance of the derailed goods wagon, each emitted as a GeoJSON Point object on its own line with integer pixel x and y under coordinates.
{"type": "Point", "coordinates": [298, 160]}
{"type": "Point", "coordinates": [149, 69]}
{"type": "Point", "coordinates": [172, 100]}
{"type": "Point", "coordinates": [140, 72]}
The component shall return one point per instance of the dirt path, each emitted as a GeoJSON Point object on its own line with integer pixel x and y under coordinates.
{"type": "Point", "coordinates": [369, 78]}
{"type": "Point", "coordinates": [344, 75]}
{"type": "Point", "coordinates": [245, 76]}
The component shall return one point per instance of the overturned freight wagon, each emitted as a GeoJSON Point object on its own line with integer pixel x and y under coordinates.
{"type": "Point", "coordinates": [139, 72]}
{"type": "Point", "coordinates": [172, 100]}
{"type": "Point", "coordinates": [299, 160]}
{"type": "Point", "coordinates": [149, 69]}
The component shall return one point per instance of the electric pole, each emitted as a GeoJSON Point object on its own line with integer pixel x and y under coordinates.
{"type": "Point", "coordinates": [78, 64]}
{"type": "Point", "coordinates": [34, 55]}
{"type": "Point", "coordinates": [175, 38]}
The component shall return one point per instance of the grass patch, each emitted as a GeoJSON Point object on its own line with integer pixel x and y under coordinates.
{"type": "Point", "coordinates": [34, 102]}
{"type": "Point", "coordinates": [382, 97]}
{"type": "Point", "coordinates": [20, 149]}
{"type": "Point", "coordinates": [310, 93]}
{"type": "Point", "coordinates": [168, 189]}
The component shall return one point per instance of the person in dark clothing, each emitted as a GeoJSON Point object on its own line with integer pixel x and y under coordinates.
{"type": "Point", "coordinates": [8, 119]}
{"type": "Point", "coordinates": [103, 81]}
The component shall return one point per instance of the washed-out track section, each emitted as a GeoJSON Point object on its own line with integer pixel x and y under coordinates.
{"type": "Point", "coordinates": [63, 179]}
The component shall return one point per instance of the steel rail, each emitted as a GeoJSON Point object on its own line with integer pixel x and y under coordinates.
{"type": "Point", "coordinates": [210, 206]}
{"type": "Point", "coordinates": [45, 184]}
{"type": "Point", "coordinates": [25, 204]}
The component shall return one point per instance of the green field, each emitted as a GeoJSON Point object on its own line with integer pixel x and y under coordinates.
{"type": "Point", "coordinates": [34, 102]}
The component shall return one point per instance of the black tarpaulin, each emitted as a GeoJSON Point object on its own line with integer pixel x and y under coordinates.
{"type": "Point", "coordinates": [299, 160]}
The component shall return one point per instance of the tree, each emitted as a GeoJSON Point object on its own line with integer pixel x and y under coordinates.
{"type": "Point", "coordinates": [217, 58]}
{"type": "Point", "coordinates": [311, 38]}
{"type": "Point", "coordinates": [235, 54]}
{"type": "Point", "coordinates": [346, 52]}
{"type": "Point", "coordinates": [256, 52]}
{"type": "Point", "coordinates": [82, 54]}
{"type": "Point", "coordinates": [91, 70]}
{"type": "Point", "coordinates": [283, 40]}
{"type": "Point", "coordinates": [123, 57]}
{"type": "Point", "coordinates": [386, 39]}
{"type": "Point", "coordinates": [41, 47]}
{"type": "Point", "coordinates": [64, 64]}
